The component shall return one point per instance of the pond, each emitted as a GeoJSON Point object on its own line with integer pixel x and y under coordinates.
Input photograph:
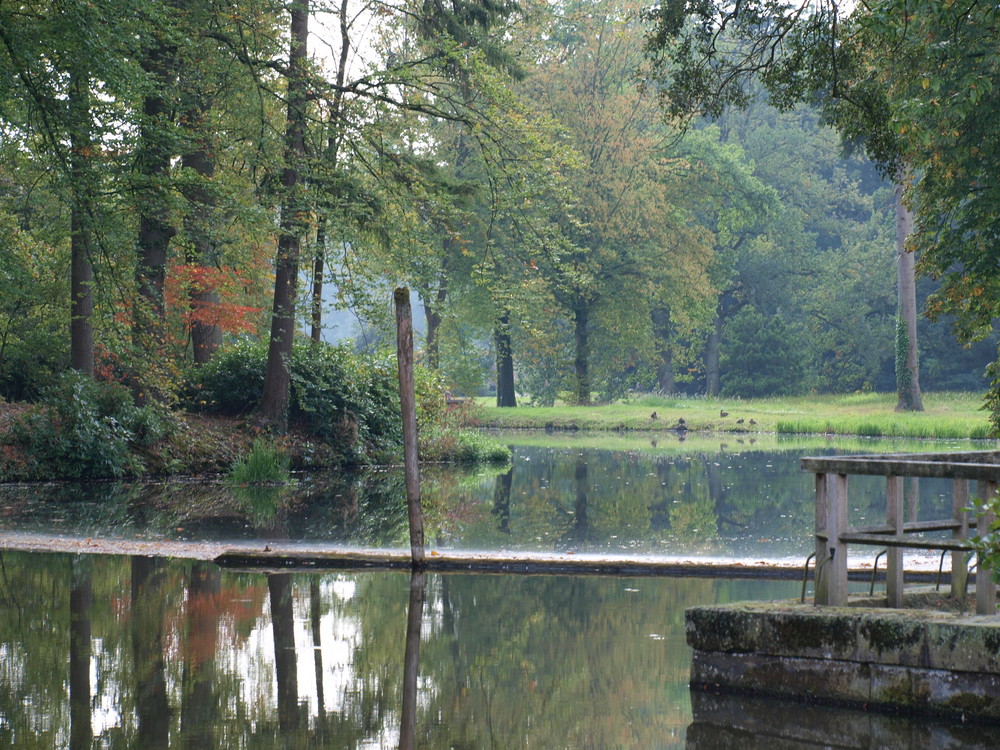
{"type": "Point", "coordinates": [141, 652]}
{"type": "Point", "coordinates": [145, 652]}
{"type": "Point", "coordinates": [737, 498]}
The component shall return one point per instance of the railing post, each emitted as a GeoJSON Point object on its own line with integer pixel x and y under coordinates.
{"type": "Point", "coordinates": [831, 553]}
{"type": "Point", "coordinates": [986, 589]}
{"type": "Point", "coordinates": [960, 559]}
{"type": "Point", "coordinates": [894, 555]}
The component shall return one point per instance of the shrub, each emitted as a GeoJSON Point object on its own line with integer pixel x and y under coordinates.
{"type": "Point", "coordinates": [336, 395]}
{"type": "Point", "coordinates": [85, 429]}
{"type": "Point", "coordinates": [266, 462]}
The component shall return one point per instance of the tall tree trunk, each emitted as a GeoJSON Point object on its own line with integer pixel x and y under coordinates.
{"type": "Point", "coordinates": [316, 303]}
{"type": "Point", "coordinates": [581, 360]}
{"type": "Point", "coordinates": [665, 367]}
{"type": "Point", "coordinates": [277, 378]}
{"type": "Point", "coordinates": [712, 376]}
{"type": "Point", "coordinates": [206, 337]}
{"type": "Point", "coordinates": [81, 270]}
{"type": "Point", "coordinates": [907, 358]}
{"type": "Point", "coordinates": [153, 168]}
{"type": "Point", "coordinates": [332, 158]}
{"type": "Point", "coordinates": [434, 311]}
{"type": "Point", "coordinates": [506, 397]}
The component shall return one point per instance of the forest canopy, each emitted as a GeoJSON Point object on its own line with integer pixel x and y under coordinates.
{"type": "Point", "coordinates": [566, 187]}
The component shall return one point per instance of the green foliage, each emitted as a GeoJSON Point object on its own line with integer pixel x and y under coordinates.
{"type": "Point", "coordinates": [336, 395]}
{"type": "Point", "coordinates": [231, 382]}
{"type": "Point", "coordinates": [760, 357]}
{"type": "Point", "coordinates": [32, 325]}
{"type": "Point", "coordinates": [442, 437]}
{"type": "Point", "coordinates": [83, 429]}
{"type": "Point", "coordinates": [342, 398]}
{"type": "Point", "coordinates": [266, 462]}
{"type": "Point", "coordinates": [987, 542]}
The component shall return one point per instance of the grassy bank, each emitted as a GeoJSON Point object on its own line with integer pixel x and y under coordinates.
{"type": "Point", "coordinates": [946, 415]}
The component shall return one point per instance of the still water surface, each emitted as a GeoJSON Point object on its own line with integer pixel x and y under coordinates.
{"type": "Point", "coordinates": [119, 652]}
{"type": "Point", "coordinates": [703, 497]}
{"type": "Point", "coordinates": [141, 652]}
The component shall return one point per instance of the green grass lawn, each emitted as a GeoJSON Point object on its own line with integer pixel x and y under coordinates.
{"type": "Point", "coordinates": [946, 415]}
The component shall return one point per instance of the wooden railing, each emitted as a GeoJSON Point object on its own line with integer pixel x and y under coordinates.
{"type": "Point", "coordinates": [833, 534]}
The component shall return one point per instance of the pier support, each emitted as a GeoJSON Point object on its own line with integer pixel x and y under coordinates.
{"type": "Point", "coordinates": [894, 555]}
{"type": "Point", "coordinates": [831, 553]}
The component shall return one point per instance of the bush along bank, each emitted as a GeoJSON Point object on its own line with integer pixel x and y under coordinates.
{"type": "Point", "coordinates": [344, 412]}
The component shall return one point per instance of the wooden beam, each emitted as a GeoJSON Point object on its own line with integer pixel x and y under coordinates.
{"type": "Point", "coordinates": [894, 556]}
{"type": "Point", "coordinates": [903, 466]}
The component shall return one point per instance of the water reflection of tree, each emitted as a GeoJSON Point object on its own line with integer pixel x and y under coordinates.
{"type": "Point", "coordinates": [199, 692]}
{"type": "Point", "coordinates": [279, 586]}
{"type": "Point", "coordinates": [504, 661]}
{"type": "Point", "coordinates": [81, 599]}
{"type": "Point", "coordinates": [148, 609]}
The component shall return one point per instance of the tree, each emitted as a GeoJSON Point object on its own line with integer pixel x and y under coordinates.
{"type": "Point", "coordinates": [277, 378]}
{"type": "Point", "coordinates": [799, 52]}
{"type": "Point", "coordinates": [629, 225]}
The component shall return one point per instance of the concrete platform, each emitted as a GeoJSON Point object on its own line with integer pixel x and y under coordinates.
{"type": "Point", "coordinates": [910, 660]}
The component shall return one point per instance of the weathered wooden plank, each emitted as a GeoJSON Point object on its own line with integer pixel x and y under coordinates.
{"type": "Point", "coordinates": [831, 552]}
{"type": "Point", "coordinates": [878, 540]}
{"type": "Point", "coordinates": [960, 558]}
{"type": "Point", "coordinates": [986, 589]}
{"type": "Point", "coordinates": [897, 466]}
{"type": "Point", "coordinates": [909, 528]}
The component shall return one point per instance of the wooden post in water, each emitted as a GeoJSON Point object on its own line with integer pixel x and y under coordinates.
{"type": "Point", "coordinates": [986, 589]}
{"type": "Point", "coordinates": [894, 555]}
{"type": "Point", "coordinates": [960, 558]}
{"type": "Point", "coordinates": [831, 553]}
{"type": "Point", "coordinates": [411, 662]}
{"type": "Point", "coordinates": [408, 406]}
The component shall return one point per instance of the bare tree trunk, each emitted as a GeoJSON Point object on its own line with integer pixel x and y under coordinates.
{"type": "Point", "coordinates": [277, 378]}
{"type": "Point", "coordinates": [332, 158]}
{"type": "Point", "coordinates": [153, 169]}
{"type": "Point", "coordinates": [506, 397]}
{"type": "Point", "coordinates": [907, 358]}
{"type": "Point", "coordinates": [581, 361]}
{"type": "Point", "coordinates": [319, 260]}
{"type": "Point", "coordinates": [81, 327]}
{"type": "Point", "coordinates": [712, 374]}
{"type": "Point", "coordinates": [665, 367]}
{"type": "Point", "coordinates": [434, 311]}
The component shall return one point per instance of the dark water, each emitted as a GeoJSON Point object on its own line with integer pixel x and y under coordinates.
{"type": "Point", "coordinates": [117, 652]}
{"type": "Point", "coordinates": [736, 498]}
